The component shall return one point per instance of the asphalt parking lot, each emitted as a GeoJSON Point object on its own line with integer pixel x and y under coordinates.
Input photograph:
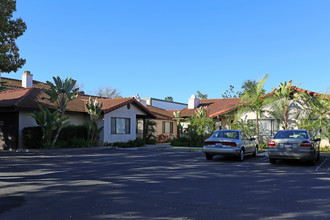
{"type": "Point", "coordinates": [159, 184]}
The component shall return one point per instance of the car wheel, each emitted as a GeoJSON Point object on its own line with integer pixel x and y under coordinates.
{"type": "Point", "coordinates": [272, 160]}
{"type": "Point", "coordinates": [241, 155]}
{"type": "Point", "coordinates": [255, 153]}
{"type": "Point", "coordinates": [209, 156]}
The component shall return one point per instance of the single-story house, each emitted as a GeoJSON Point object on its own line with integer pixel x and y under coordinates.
{"type": "Point", "coordinates": [166, 127]}
{"type": "Point", "coordinates": [119, 115]}
{"type": "Point", "coordinates": [223, 111]}
{"type": "Point", "coordinates": [218, 109]}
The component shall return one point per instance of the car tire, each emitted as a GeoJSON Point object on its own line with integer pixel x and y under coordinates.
{"type": "Point", "coordinates": [209, 156]}
{"type": "Point", "coordinates": [255, 153]}
{"type": "Point", "coordinates": [272, 160]}
{"type": "Point", "coordinates": [241, 155]}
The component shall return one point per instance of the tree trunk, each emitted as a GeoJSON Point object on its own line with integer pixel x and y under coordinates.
{"type": "Point", "coordinates": [286, 118]}
{"type": "Point", "coordinates": [56, 136]}
{"type": "Point", "coordinates": [257, 127]}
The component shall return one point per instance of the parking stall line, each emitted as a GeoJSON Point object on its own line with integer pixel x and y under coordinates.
{"type": "Point", "coordinates": [317, 168]}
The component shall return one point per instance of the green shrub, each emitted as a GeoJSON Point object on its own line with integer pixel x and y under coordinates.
{"type": "Point", "coordinates": [70, 136]}
{"type": "Point", "coordinates": [262, 145]}
{"type": "Point", "coordinates": [138, 142]}
{"type": "Point", "coordinates": [151, 141]}
{"type": "Point", "coordinates": [73, 131]}
{"type": "Point", "coordinates": [32, 137]}
{"type": "Point", "coordinates": [325, 148]}
{"type": "Point", "coordinates": [73, 143]}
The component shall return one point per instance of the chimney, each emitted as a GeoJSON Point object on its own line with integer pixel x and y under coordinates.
{"type": "Point", "coordinates": [193, 102]}
{"type": "Point", "coordinates": [27, 80]}
{"type": "Point", "coordinates": [138, 98]}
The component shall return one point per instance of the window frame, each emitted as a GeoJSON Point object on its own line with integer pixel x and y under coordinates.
{"type": "Point", "coordinates": [113, 124]}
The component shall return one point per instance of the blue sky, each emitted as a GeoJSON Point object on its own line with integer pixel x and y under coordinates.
{"type": "Point", "coordinates": [160, 48]}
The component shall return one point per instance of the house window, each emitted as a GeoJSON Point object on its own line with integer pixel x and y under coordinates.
{"type": "Point", "coordinates": [167, 127]}
{"type": "Point", "coordinates": [120, 125]}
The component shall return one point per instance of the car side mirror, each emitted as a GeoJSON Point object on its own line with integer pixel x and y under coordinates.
{"type": "Point", "coordinates": [317, 139]}
{"type": "Point", "coordinates": [252, 139]}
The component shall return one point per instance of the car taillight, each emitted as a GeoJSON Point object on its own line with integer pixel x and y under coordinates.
{"type": "Point", "coordinates": [271, 144]}
{"type": "Point", "coordinates": [232, 144]}
{"type": "Point", "coordinates": [206, 143]}
{"type": "Point", "coordinates": [306, 144]}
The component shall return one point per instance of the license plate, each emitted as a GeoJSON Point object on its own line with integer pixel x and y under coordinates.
{"type": "Point", "coordinates": [218, 145]}
{"type": "Point", "coordinates": [287, 145]}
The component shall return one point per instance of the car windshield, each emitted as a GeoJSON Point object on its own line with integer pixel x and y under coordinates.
{"type": "Point", "coordinates": [291, 134]}
{"type": "Point", "coordinates": [226, 134]}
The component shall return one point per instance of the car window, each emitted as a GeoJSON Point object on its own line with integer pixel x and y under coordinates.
{"type": "Point", "coordinates": [291, 135]}
{"type": "Point", "coordinates": [226, 134]}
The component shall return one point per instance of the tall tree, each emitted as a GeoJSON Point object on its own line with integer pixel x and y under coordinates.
{"type": "Point", "coordinates": [249, 85]}
{"type": "Point", "coordinates": [169, 98]}
{"type": "Point", "coordinates": [316, 112]}
{"type": "Point", "coordinates": [230, 93]}
{"type": "Point", "coordinates": [252, 101]}
{"type": "Point", "coordinates": [108, 92]}
{"type": "Point", "coordinates": [60, 94]}
{"type": "Point", "coordinates": [10, 30]}
{"type": "Point", "coordinates": [201, 95]}
{"type": "Point", "coordinates": [282, 103]}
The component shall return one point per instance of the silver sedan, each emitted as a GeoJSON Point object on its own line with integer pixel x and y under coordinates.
{"type": "Point", "coordinates": [293, 144]}
{"type": "Point", "coordinates": [230, 142]}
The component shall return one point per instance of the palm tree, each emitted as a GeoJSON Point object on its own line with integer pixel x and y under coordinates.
{"type": "Point", "coordinates": [282, 103]}
{"type": "Point", "coordinates": [94, 109]}
{"type": "Point", "coordinates": [316, 113]}
{"type": "Point", "coordinates": [252, 100]}
{"type": "Point", "coordinates": [60, 95]}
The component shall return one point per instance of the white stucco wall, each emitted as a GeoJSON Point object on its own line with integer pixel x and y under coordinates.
{"type": "Point", "coordinates": [164, 104]}
{"type": "Point", "coordinates": [122, 112]}
{"type": "Point", "coordinates": [24, 120]}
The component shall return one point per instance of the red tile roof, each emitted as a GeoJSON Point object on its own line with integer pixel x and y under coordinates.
{"type": "Point", "coordinates": [30, 98]}
{"type": "Point", "coordinates": [16, 83]}
{"type": "Point", "coordinates": [161, 113]}
{"type": "Point", "coordinates": [215, 106]}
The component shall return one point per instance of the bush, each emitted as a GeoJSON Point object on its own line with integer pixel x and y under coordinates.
{"type": "Point", "coordinates": [151, 141]}
{"type": "Point", "coordinates": [186, 142]}
{"type": "Point", "coordinates": [70, 136]}
{"type": "Point", "coordinates": [73, 143]}
{"type": "Point", "coordinates": [262, 145]}
{"type": "Point", "coordinates": [73, 131]}
{"type": "Point", "coordinates": [138, 142]}
{"type": "Point", "coordinates": [32, 137]}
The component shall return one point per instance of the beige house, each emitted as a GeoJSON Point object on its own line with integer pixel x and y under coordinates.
{"type": "Point", "coordinates": [166, 127]}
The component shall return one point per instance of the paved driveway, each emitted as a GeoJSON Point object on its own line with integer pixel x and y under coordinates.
{"type": "Point", "coordinates": [159, 184]}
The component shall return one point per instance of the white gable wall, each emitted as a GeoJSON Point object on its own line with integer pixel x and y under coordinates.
{"type": "Point", "coordinates": [122, 112]}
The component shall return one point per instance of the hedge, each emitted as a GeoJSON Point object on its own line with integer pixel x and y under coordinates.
{"type": "Point", "coordinates": [32, 136]}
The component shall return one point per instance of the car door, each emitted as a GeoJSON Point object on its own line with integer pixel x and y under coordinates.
{"type": "Point", "coordinates": [246, 142]}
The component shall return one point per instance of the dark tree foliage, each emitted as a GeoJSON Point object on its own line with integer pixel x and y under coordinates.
{"type": "Point", "coordinates": [201, 95]}
{"type": "Point", "coordinates": [169, 98]}
{"type": "Point", "coordinates": [230, 93]}
{"type": "Point", "coordinates": [249, 85]}
{"type": "Point", "coordinates": [10, 30]}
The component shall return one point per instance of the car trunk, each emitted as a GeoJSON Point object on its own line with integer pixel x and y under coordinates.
{"type": "Point", "coordinates": [288, 144]}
